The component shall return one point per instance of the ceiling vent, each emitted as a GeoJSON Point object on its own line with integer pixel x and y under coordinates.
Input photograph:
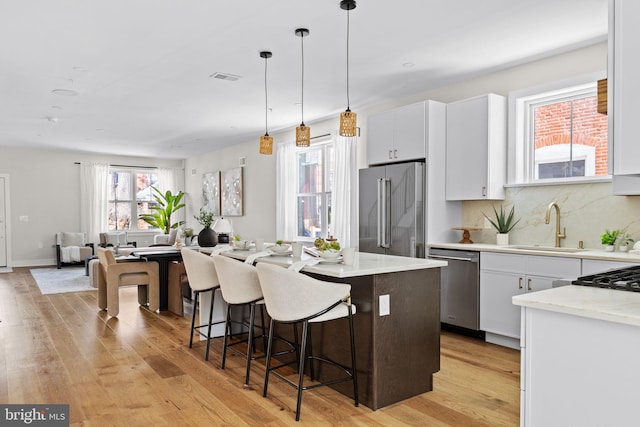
{"type": "Point", "coordinates": [224, 76]}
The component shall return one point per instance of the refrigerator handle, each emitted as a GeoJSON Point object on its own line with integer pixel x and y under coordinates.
{"type": "Point", "coordinates": [386, 213]}
{"type": "Point", "coordinates": [379, 214]}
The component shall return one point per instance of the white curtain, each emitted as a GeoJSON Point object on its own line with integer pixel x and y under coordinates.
{"type": "Point", "coordinates": [344, 203]}
{"type": "Point", "coordinates": [94, 199]}
{"type": "Point", "coordinates": [172, 179]}
{"type": "Point", "coordinates": [286, 191]}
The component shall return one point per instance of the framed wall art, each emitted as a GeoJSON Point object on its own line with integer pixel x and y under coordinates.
{"type": "Point", "coordinates": [211, 192]}
{"type": "Point", "coordinates": [232, 192]}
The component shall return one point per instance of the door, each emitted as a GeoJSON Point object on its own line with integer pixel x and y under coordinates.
{"type": "Point", "coordinates": [3, 224]}
{"type": "Point", "coordinates": [369, 222]}
{"type": "Point", "coordinates": [406, 209]}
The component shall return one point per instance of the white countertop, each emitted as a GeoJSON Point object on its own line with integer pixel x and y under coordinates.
{"type": "Point", "coordinates": [365, 264]}
{"type": "Point", "coordinates": [583, 254]}
{"type": "Point", "coordinates": [595, 303]}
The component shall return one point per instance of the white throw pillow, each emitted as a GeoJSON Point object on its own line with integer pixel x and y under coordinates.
{"type": "Point", "coordinates": [115, 238]}
{"type": "Point", "coordinates": [72, 239]}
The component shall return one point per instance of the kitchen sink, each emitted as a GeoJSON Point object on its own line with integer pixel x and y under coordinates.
{"type": "Point", "coordinates": [546, 248]}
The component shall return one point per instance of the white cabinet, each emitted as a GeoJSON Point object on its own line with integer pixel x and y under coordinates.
{"type": "Point", "coordinates": [594, 266]}
{"type": "Point", "coordinates": [397, 135]}
{"type": "Point", "coordinates": [476, 148]}
{"type": "Point", "coordinates": [623, 92]}
{"type": "Point", "coordinates": [503, 276]}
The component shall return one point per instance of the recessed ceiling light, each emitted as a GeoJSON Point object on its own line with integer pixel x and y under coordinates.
{"type": "Point", "coordinates": [408, 64]}
{"type": "Point", "coordinates": [225, 76]}
{"type": "Point", "coordinates": [52, 119]}
{"type": "Point", "coordinates": [56, 107]}
{"type": "Point", "coordinates": [65, 92]}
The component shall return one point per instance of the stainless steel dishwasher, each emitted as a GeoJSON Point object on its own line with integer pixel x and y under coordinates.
{"type": "Point", "coordinates": [459, 287]}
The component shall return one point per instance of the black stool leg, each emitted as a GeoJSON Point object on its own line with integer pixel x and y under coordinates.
{"type": "Point", "coordinates": [310, 356]}
{"type": "Point", "coordinates": [250, 344]}
{"type": "Point", "coordinates": [305, 332]}
{"type": "Point", "coordinates": [193, 318]}
{"type": "Point", "coordinates": [264, 331]}
{"type": "Point", "coordinates": [296, 344]}
{"type": "Point", "coordinates": [268, 361]}
{"type": "Point", "coordinates": [213, 294]}
{"type": "Point", "coordinates": [226, 335]}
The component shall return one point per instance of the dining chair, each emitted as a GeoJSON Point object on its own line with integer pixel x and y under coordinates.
{"type": "Point", "coordinates": [292, 297]}
{"type": "Point", "coordinates": [117, 274]}
{"type": "Point", "coordinates": [202, 276]}
{"type": "Point", "coordinates": [240, 286]}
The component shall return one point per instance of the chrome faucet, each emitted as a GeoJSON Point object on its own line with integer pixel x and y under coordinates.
{"type": "Point", "coordinates": [548, 217]}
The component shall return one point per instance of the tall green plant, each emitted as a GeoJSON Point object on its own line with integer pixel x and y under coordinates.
{"type": "Point", "coordinates": [503, 223]}
{"type": "Point", "coordinates": [168, 204]}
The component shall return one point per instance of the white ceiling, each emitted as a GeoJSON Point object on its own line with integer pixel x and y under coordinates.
{"type": "Point", "coordinates": [141, 67]}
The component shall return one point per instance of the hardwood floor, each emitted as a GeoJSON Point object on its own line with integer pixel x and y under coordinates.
{"type": "Point", "coordinates": [137, 370]}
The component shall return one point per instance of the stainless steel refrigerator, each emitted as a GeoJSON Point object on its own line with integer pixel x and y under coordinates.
{"type": "Point", "coordinates": [392, 209]}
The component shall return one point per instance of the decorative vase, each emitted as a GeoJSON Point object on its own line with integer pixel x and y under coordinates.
{"type": "Point", "coordinates": [609, 248]}
{"type": "Point", "coordinates": [207, 238]}
{"type": "Point", "coordinates": [623, 248]}
{"type": "Point", "coordinates": [502, 239]}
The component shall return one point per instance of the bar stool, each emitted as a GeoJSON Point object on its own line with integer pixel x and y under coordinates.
{"type": "Point", "coordinates": [292, 297]}
{"type": "Point", "coordinates": [240, 286]}
{"type": "Point", "coordinates": [201, 272]}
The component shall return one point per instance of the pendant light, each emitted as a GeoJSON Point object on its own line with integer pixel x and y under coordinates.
{"type": "Point", "coordinates": [348, 117]}
{"type": "Point", "coordinates": [303, 132]}
{"type": "Point", "coordinates": [266, 141]}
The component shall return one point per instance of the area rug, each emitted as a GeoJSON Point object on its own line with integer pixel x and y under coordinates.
{"type": "Point", "coordinates": [68, 279]}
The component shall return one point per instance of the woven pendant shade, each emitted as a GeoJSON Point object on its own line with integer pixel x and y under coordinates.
{"type": "Point", "coordinates": [266, 144]}
{"type": "Point", "coordinates": [303, 136]}
{"type": "Point", "coordinates": [348, 126]}
{"type": "Point", "coordinates": [348, 123]}
{"type": "Point", "coordinates": [266, 141]}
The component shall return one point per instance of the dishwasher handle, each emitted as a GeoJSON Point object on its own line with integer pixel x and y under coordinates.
{"type": "Point", "coordinates": [453, 258]}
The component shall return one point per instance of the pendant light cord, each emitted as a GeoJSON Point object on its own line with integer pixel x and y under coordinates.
{"type": "Point", "coordinates": [266, 104]}
{"type": "Point", "coordinates": [348, 12]}
{"type": "Point", "coordinates": [302, 91]}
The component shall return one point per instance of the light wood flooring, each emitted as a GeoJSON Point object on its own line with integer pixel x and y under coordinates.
{"type": "Point", "coordinates": [137, 370]}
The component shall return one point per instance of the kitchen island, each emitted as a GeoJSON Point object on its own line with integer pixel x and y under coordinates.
{"type": "Point", "coordinates": [580, 348]}
{"type": "Point", "coordinates": [398, 343]}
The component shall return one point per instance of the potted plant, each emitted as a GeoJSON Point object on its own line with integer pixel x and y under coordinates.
{"type": "Point", "coordinates": [503, 223]}
{"type": "Point", "coordinates": [188, 235]}
{"type": "Point", "coordinates": [624, 241]}
{"type": "Point", "coordinates": [608, 239]}
{"type": "Point", "coordinates": [167, 204]}
{"type": "Point", "coordinates": [207, 237]}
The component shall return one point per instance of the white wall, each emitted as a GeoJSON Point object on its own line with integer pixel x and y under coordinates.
{"type": "Point", "coordinates": [45, 187]}
{"type": "Point", "coordinates": [582, 223]}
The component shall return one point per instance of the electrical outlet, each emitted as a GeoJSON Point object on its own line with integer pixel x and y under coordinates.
{"type": "Point", "coordinates": [384, 305]}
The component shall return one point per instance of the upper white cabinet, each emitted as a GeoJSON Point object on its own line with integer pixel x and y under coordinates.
{"type": "Point", "coordinates": [397, 135]}
{"type": "Point", "coordinates": [476, 148]}
{"type": "Point", "coordinates": [623, 92]}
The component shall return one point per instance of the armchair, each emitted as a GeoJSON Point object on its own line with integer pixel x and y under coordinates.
{"type": "Point", "coordinates": [116, 238]}
{"type": "Point", "coordinates": [166, 239]}
{"type": "Point", "coordinates": [72, 248]}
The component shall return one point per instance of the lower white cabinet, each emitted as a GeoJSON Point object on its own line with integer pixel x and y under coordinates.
{"type": "Point", "coordinates": [503, 276]}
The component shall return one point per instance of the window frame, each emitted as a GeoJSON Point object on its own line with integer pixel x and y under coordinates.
{"type": "Point", "coordinates": [324, 146]}
{"type": "Point", "coordinates": [133, 201]}
{"type": "Point", "coordinates": [520, 168]}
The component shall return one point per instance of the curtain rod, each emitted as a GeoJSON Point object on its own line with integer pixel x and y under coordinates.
{"type": "Point", "coordinates": [127, 166]}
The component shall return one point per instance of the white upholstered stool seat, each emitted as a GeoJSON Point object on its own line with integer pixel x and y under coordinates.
{"type": "Point", "coordinates": [292, 297]}
{"type": "Point", "coordinates": [202, 276]}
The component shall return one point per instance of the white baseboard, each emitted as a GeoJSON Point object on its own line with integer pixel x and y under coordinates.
{"type": "Point", "coordinates": [513, 343]}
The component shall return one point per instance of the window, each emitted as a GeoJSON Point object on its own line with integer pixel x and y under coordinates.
{"type": "Point", "coordinates": [315, 166]}
{"type": "Point", "coordinates": [130, 194]}
{"type": "Point", "coordinates": [560, 136]}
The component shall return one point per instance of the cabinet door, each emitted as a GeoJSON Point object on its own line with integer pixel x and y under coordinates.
{"type": "Point", "coordinates": [380, 138]}
{"type": "Point", "coordinates": [467, 150]}
{"type": "Point", "coordinates": [626, 87]}
{"type": "Point", "coordinates": [594, 266]}
{"type": "Point", "coordinates": [538, 283]}
{"type": "Point", "coordinates": [409, 136]}
{"type": "Point", "coordinates": [497, 313]}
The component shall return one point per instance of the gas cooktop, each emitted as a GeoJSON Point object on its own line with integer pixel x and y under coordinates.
{"type": "Point", "coordinates": [624, 279]}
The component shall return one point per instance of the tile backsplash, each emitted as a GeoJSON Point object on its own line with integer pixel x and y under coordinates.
{"type": "Point", "coordinates": [586, 210]}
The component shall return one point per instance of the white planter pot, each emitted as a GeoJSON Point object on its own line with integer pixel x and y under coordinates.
{"type": "Point", "coordinates": [623, 248]}
{"type": "Point", "coordinates": [609, 248]}
{"type": "Point", "coordinates": [502, 239]}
